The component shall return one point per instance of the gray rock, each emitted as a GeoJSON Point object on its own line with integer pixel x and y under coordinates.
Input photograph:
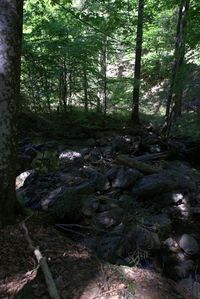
{"type": "Point", "coordinates": [20, 179]}
{"type": "Point", "coordinates": [123, 177]}
{"type": "Point", "coordinates": [100, 181]}
{"type": "Point", "coordinates": [71, 157]}
{"type": "Point", "coordinates": [66, 202]}
{"type": "Point", "coordinates": [189, 288]}
{"type": "Point", "coordinates": [122, 144]}
{"type": "Point", "coordinates": [189, 245]}
{"type": "Point", "coordinates": [90, 205]}
{"type": "Point", "coordinates": [171, 245]}
{"type": "Point", "coordinates": [184, 268]}
{"type": "Point", "coordinates": [167, 199]}
{"type": "Point", "coordinates": [160, 223]}
{"type": "Point", "coordinates": [109, 218]}
{"type": "Point", "coordinates": [164, 181]}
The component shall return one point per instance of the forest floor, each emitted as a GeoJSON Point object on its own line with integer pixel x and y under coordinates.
{"type": "Point", "coordinates": [78, 272]}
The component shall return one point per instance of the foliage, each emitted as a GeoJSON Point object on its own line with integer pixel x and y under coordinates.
{"type": "Point", "coordinates": [81, 53]}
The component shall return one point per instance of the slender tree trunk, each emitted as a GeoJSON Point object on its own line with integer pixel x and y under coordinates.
{"type": "Point", "coordinates": [10, 53]}
{"type": "Point", "coordinates": [85, 87]}
{"type": "Point", "coordinates": [179, 53]}
{"type": "Point", "coordinates": [47, 92]}
{"type": "Point", "coordinates": [99, 92]}
{"type": "Point", "coordinates": [138, 55]}
{"type": "Point", "coordinates": [64, 86]}
{"type": "Point", "coordinates": [102, 94]}
{"type": "Point", "coordinates": [70, 89]}
{"type": "Point", "coordinates": [59, 108]}
{"type": "Point", "coordinates": [105, 78]}
{"type": "Point", "coordinates": [179, 90]}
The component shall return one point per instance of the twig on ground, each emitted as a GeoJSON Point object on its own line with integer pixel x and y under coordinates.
{"type": "Point", "coordinates": [53, 292]}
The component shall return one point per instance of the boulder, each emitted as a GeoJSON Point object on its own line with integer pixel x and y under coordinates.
{"type": "Point", "coordinates": [20, 179]}
{"type": "Point", "coordinates": [160, 223]}
{"type": "Point", "coordinates": [122, 144]}
{"type": "Point", "coordinates": [184, 268]}
{"type": "Point", "coordinates": [66, 202]}
{"type": "Point", "coordinates": [89, 206]}
{"type": "Point", "coordinates": [109, 218]}
{"type": "Point", "coordinates": [189, 244]}
{"type": "Point", "coordinates": [171, 245]}
{"type": "Point", "coordinates": [172, 198]}
{"type": "Point", "coordinates": [189, 288]}
{"type": "Point", "coordinates": [100, 181]}
{"type": "Point", "coordinates": [123, 177]}
{"type": "Point", "coordinates": [164, 181]}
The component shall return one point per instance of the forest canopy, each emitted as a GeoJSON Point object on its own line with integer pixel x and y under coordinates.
{"type": "Point", "coordinates": [82, 54]}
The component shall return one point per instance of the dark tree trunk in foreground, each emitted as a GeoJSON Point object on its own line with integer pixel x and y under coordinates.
{"type": "Point", "coordinates": [10, 53]}
{"type": "Point", "coordinates": [174, 100]}
{"type": "Point", "coordinates": [138, 55]}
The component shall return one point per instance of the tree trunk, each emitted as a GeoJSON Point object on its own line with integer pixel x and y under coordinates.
{"type": "Point", "coordinates": [102, 94]}
{"type": "Point", "coordinates": [64, 86]}
{"type": "Point", "coordinates": [137, 72]}
{"type": "Point", "coordinates": [104, 66]}
{"type": "Point", "coordinates": [10, 53]}
{"type": "Point", "coordinates": [70, 89]}
{"type": "Point", "coordinates": [175, 90]}
{"type": "Point", "coordinates": [85, 87]}
{"type": "Point", "coordinates": [47, 91]}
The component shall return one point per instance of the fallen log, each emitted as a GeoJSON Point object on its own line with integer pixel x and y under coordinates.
{"type": "Point", "coordinates": [133, 163]}
{"type": "Point", "coordinates": [53, 292]}
{"type": "Point", "coordinates": [151, 157]}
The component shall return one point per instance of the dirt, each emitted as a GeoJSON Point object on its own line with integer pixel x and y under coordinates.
{"type": "Point", "coordinates": [77, 273]}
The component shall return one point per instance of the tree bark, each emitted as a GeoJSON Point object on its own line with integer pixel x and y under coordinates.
{"type": "Point", "coordinates": [10, 52]}
{"type": "Point", "coordinates": [137, 72]}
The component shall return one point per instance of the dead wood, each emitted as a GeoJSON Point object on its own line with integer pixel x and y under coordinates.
{"type": "Point", "coordinates": [133, 163]}
{"type": "Point", "coordinates": [53, 292]}
{"type": "Point", "coordinates": [151, 157]}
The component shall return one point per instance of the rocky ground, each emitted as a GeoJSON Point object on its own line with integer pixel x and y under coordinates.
{"type": "Point", "coordinates": [116, 215]}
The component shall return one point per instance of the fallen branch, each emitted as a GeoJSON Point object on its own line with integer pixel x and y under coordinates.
{"type": "Point", "coordinates": [133, 163]}
{"type": "Point", "coordinates": [44, 266]}
{"type": "Point", "coordinates": [151, 157]}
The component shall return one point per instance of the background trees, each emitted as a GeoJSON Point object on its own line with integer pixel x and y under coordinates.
{"type": "Point", "coordinates": [83, 56]}
{"type": "Point", "coordinates": [138, 54]}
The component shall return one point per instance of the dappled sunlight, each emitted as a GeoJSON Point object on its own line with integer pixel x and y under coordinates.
{"type": "Point", "coordinates": [13, 284]}
{"type": "Point", "coordinates": [20, 179]}
{"type": "Point", "coordinates": [70, 155]}
{"type": "Point", "coordinates": [149, 284]}
{"type": "Point", "coordinates": [183, 207]}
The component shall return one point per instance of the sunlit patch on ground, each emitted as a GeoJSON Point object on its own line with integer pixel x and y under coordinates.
{"type": "Point", "coordinates": [69, 155]}
{"type": "Point", "coordinates": [20, 179]}
{"type": "Point", "coordinates": [13, 284]}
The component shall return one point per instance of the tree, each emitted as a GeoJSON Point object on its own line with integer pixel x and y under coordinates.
{"type": "Point", "coordinates": [10, 53]}
{"type": "Point", "coordinates": [138, 55]}
{"type": "Point", "coordinates": [174, 100]}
